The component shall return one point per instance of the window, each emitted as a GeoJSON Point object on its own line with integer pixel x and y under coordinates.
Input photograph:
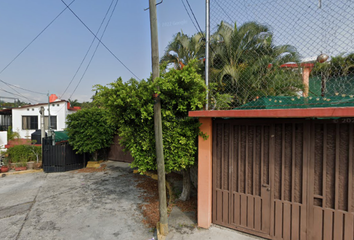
{"type": "Point", "coordinates": [29, 122]}
{"type": "Point", "coordinates": [53, 122]}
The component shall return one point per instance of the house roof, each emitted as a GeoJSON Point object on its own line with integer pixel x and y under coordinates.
{"type": "Point", "coordinates": [38, 104]}
{"type": "Point", "coordinates": [46, 104]}
{"type": "Point", "coordinates": [6, 111]}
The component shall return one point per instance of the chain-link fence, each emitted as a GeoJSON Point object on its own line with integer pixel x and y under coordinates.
{"type": "Point", "coordinates": [281, 54]}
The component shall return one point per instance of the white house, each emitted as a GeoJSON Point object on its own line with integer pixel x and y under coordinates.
{"type": "Point", "coordinates": [27, 119]}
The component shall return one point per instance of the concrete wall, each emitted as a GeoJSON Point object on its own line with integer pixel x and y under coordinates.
{"type": "Point", "coordinates": [58, 109]}
{"type": "Point", "coordinates": [3, 139]}
{"type": "Point", "coordinates": [205, 176]}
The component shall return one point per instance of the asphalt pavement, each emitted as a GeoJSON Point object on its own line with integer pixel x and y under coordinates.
{"type": "Point", "coordinates": [98, 205]}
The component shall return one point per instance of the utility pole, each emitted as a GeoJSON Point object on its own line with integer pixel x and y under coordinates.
{"type": "Point", "coordinates": [49, 131]}
{"type": "Point", "coordinates": [41, 111]}
{"type": "Point", "coordinates": [163, 226]}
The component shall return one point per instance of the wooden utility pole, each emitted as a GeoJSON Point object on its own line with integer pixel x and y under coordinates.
{"type": "Point", "coordinates": [163, 225]}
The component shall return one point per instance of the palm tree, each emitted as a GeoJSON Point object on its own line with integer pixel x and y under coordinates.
{"type": "Point", "coordinates": [245, 64]}
{"type": "Point", "coordinates": [183, 48]}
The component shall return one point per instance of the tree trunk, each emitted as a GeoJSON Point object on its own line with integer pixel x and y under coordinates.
{"type": "Point", "coordinates": [95, 155]}
{"type": "Point", "coordinates": [186, 192]}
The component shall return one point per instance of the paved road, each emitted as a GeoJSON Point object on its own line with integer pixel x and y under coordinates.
{"type": "Point", "coordinates": [102, 205]}
{"type": "Point", "coordinates": [75, 206]}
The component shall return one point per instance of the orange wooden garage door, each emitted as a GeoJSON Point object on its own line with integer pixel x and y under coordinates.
{"type": "Point", "coordinates": [284, 179]}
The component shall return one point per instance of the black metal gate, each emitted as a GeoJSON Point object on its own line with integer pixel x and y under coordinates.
{"type": "Point", "coordinates": [60, 157]}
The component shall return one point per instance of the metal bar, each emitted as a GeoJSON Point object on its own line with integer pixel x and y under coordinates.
{"type": "Point", "coordinates": [336, 188]}
{"type": "Point", "coordinates": [246, 161]}
{"type": "Point", "coordinates": [262, 155]}
{"type": "Point", "coordinates": [222, 155]}
{"type": "Point", "coordinates": [308, 181]}
{"type": "Point", "coordinates": [231, 153]}
{"type": "Point", "coordinates": [324, 178]}
{"type": "Point", "coordinates": [282, 161]}
{"type": "Point", "coordinates": [254, 159]}
{"type": "Point", "coordinates": [207, 42]}
{"type": "Point", "coordinates": [215, 168]}
{"type": "Point", "coordinates": [239, 160]}
{"type": "Point", "coordinates": [350, 169]}
{"type": "Point", "coordinates": [293, 164]}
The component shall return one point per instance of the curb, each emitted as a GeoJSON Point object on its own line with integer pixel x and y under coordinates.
{"type": "Point", "coordinates": [23, 172]}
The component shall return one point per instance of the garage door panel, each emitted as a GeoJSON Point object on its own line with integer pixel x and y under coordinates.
{"type": "Point", "coordinates": [291, 179]}
{"type": "Point", "coordinates": [348, 229]}
{"type": "Point", "coordinates": [295, 221]}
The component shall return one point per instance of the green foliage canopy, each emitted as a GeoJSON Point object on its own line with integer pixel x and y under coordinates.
{"type": "Point", "coordinates": [89, 130]}
{"type": "Point", "coordinates": [130, 107]}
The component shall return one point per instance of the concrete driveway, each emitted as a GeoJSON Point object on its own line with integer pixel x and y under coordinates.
{"type": "Point", "coordinates": [100, 205]}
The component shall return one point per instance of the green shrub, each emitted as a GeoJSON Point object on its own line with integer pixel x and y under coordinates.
{"type": "Point", "coordinates": [12, 135]}
{"type": "Point", "coordinates": [24, 153]}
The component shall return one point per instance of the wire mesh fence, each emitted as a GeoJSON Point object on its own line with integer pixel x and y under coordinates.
{"type": "Point", "coordinates": [281, 54]}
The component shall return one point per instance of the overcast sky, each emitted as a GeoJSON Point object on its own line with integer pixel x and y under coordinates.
{"type": "Point", "coordinates": [50, 62]}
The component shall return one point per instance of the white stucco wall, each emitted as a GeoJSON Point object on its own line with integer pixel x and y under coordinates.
{"type": "Point", "coordinates": [58, 109]}
{"type": "Point", "coordinates": [3, 139]}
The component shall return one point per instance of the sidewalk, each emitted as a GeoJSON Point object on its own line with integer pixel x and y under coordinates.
{"type": "Point", "coordinates": [182, 227]}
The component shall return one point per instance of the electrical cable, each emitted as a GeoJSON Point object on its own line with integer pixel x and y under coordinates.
{"type": "Point", "coordinates": [9, 84]}
{"type": "Point", "coordinates": [222, 9]}
{"type": "Point", "coordinates": [87, 52]}
{"type": "Point", "coordinates": [100, 41]}
{"type": "Point", "coordinates": [14, 94]}
{"type": "Point", "coordinates": [19, 94]}
{"type": "Point", "coordinates": [194, 16]}
{"type": "Point", "coordinates": [93, 55]}
{"type": "Point", "coordinates": [189, 16]}
{"type": "Point", "coordinates": [35, 38]}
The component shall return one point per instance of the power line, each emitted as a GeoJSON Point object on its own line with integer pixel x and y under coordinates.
{"type": "Point", "coordinates": [19, 94]}
{"type": "Point", "coordinates": [9, 84]}
{"type": "Point", "coordinates": [87, 52]}
{"type": "Point", "coordinates": [14, 94]}
{"type": "Point", "coordinates": [93, 55]}
{"type": "Point", "coordinates": [189, 16]}
{"type": "Point", "coordinates": [222, 9]}
{"type": "Point", "coordinates": [34, 38]}
{"type": "Point", "coordinates": [100, 41]}
{"type": "Point", "coordinates": [194, 16]}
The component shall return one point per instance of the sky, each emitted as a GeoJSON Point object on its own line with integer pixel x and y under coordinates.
{"type": "Point", "coordinates": [51, 61]}
{"type": "Point", "coordinates": [49, 64]}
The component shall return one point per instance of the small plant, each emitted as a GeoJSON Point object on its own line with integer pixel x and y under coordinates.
{"type": "Point", "coordinates": [22, 164]}
{"type": "Point", "coordinates": [12, 135]}
{"type": "Point", "coordinates": [5, 161]}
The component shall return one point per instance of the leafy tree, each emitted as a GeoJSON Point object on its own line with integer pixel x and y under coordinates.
{"type": "Point", "coordinates": [338, 66]}
{"type": "Point", "coordinates": [245, 64]}
{"type": "Point", "coordinates": [89, 131]}
{"type": "Point", "coordinates": [131, 110]}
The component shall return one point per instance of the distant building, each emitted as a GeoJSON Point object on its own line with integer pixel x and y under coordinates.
{"type": "Point", "coordinates": [27, 119]}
